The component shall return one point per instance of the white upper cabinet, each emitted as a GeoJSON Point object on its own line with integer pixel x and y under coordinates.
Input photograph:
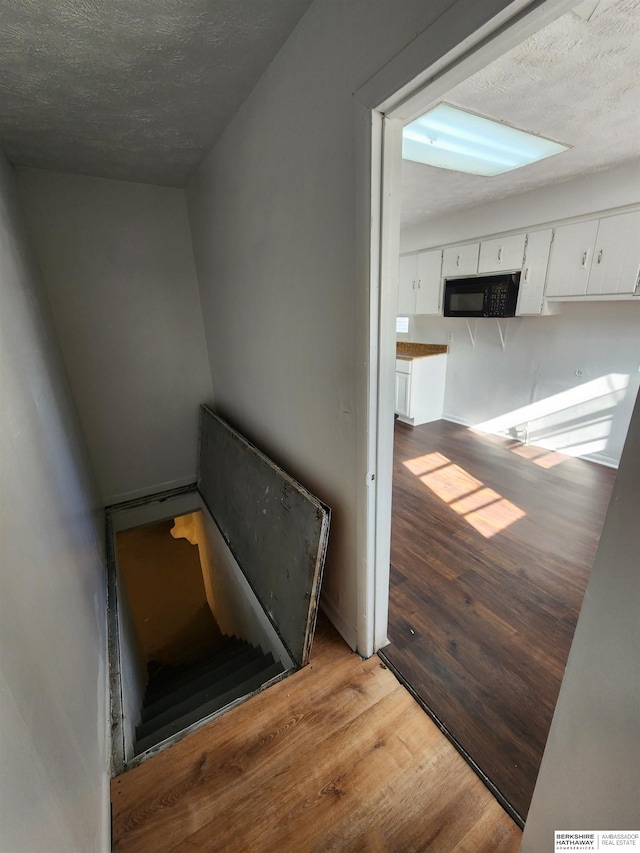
{"type": "Point", "coordinates": [571, 257]}
{"type": "Point", "coordinates": [601, 256]}
{"type": "Point", "coordinates": [534, 273]}
{"type": "Point", "coordinates": [460, 260]}
{"type": "Point", "coordinates": [502, 254]}
{"type": "Point", "coordinates": [616, 255]}
{"type": "Point", "coordinates": [407, 280]}
{"type": "Point", "coordinates": [420, 283]}
{"type": "Point", "coordinates": [429, 288]}
{"type": "Point", "coordinates": [586, 259]}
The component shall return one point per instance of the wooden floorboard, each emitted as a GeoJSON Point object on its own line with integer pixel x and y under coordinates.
{"type": "Point", "coordinates": [492, 545]}
{"type": "Point", "coordinates": [337, 757]}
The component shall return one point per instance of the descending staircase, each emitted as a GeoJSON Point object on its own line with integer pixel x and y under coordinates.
{"type": "Point", "coordinates": [179, 696]}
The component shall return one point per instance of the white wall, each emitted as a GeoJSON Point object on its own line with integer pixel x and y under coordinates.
{"type": "Point", "coordinates": [590, 772]}
{"type": "Point", "coordinates": [530, 389]}
{"type": "Point", "coordinates": [273, 216]}
{"type": "Point", "coordinates": [117, 263]}
{"type": "Point", "coordinates": [587, 194]}
{"type": "Point", "coordinates": [532, 384]}
{"type": "Point", "coordinates": [53, 667]}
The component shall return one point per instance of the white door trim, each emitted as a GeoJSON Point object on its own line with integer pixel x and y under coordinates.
{"type": "Point", "coordinates": [507, 28]}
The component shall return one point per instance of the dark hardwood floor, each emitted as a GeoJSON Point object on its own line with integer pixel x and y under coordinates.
{"type": "Point", "coordinates": [492, 545]}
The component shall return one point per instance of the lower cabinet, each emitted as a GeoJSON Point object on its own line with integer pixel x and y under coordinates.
{"type": "Point", "coordinates": [420, 388]}
{"type": "Point", "coordinates": [403, 392]}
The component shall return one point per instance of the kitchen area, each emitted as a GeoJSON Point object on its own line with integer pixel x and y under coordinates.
{"type": "Point", "coordinates": [560, 369]}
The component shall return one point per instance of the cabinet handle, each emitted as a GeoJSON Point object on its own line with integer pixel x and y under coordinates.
{"type": "Point", "coordinates": [585, 256]}
{"type": "Point", "coordinates": [500, 254]}
{"type": "Point", "coordinates": [600, 256]}
{"type": "Point", "coordinates": [419, 283]}
{"type": "Point", "coordinates": [458, 261]}
{"type": "Point", "coordinates": [413, 284]}
{"type": "Point", "coordinates": [526, 275]}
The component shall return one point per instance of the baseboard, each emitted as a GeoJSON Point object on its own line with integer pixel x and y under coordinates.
{"type": "Point", "coordinates": [601, 459]}
{"type": "Point", "coordinates": [148, 491]}
{"type": "Point", "coordinates": [455, 420]}
{"type": "Point", "coordinates": [346, 631]}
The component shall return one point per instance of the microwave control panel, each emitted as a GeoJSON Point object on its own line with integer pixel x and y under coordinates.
{"type": "Point", "coordinates": [497, 302]}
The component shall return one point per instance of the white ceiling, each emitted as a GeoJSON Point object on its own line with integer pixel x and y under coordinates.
{"type": "Point", "coordinates": [141, 90]}
{"type": "Point", "coordinates": [131, 89]}
{"type": "Point", "coordinates": [575, 81]}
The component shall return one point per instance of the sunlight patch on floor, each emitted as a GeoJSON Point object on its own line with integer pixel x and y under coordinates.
{"type": "Point", "coordinates": [483, 508]}
{"type": "Point", "coordinates": [539, 455]}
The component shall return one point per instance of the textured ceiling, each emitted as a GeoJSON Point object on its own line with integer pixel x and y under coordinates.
{"type": "Point", "coordinates": [131, 89]}
{"type": "Point", "coordinates": [575, 81]}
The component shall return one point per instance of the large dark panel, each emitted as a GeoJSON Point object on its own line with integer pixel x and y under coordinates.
{"type": "Point", "coordinates": [275, 528]}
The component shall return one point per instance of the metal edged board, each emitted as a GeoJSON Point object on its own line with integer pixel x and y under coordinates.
{"type": "Point", "coordinates": [275, 528]}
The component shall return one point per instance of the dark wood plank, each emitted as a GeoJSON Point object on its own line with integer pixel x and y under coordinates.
{"type": "Point", "coordinates": [336, 757]}
{"type": "Point", "coordinates": [492, 545]}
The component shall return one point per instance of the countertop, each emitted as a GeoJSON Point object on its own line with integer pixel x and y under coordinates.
{"type": "Point", "coordinates": [409, 350]}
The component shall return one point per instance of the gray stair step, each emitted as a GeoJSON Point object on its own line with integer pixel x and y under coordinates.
{"type": "Point", "coordinates": [223, 666]}
{"type": "Point", "coordinates": [201, 697]}
{"type": "Point", "coordinates": [189, 673]}
{"type": "Point", "coordinates": [246, 687]}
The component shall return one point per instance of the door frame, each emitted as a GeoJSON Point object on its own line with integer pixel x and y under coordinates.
{"type": "Point", "coordinates": [380, 118]}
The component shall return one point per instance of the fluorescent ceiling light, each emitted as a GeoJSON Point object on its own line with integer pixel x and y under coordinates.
{"type": "Point", "coordinates": [451, 138]}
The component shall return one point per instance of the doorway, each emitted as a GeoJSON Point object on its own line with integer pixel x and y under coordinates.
{"type": "Point", "coordinates": [387, 345]}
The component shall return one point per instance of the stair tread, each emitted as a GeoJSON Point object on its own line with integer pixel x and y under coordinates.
{"type": "Point", "coordinates": [184, 673]}
{"type": "Point", "coordinates": [204, 695]}
{"type": "Point", "coordinates": [217, 703]}
{"type": "Point", "coordinates": [208, 677]}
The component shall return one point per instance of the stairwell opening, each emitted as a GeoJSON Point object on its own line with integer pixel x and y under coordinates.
{"type": "Point", "coordinates": [213, 592]}
{"type": "Point", "coordinates": [165, 585]}
{"type": "Point", "coordinates": [193, 641]}
{"type": "Point", "coordinates": [192, 668]}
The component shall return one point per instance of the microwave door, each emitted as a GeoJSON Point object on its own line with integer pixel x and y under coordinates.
{"type": "Point", "coordinates": [465, 302]}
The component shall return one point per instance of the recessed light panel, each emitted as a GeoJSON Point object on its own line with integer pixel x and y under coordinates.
{"type": "Point", "coordinates": [451, 138]}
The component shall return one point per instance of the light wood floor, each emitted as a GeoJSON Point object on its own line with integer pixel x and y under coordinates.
{"type": "Point", "coordinates": [338, 757]}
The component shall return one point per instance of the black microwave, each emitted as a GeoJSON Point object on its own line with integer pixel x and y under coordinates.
{"type": "Point", "coordinates": [482, 296]}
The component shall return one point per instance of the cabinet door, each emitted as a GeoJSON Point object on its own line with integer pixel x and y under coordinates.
{"type": "Point", "coordinates": [460, 260]}
{"type": "Point", "coordinates": [534, 273]}
{"type": "Point", "coordinates": [571, 257]}
{"type": "Point", "coordinates": [429, 282]}
{"type": "Point", "coordinates": [503, 253]}
{"type": "Point", "coordinates": [403, 393]}
{"type": "Point", "coordinates": [407, 278]}
{"type": "Point", "coordinates": [616, 257]}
